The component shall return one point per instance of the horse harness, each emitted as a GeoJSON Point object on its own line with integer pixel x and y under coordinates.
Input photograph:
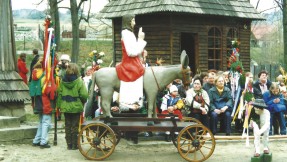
{"type": "Point", "coordinates": [185, 80]}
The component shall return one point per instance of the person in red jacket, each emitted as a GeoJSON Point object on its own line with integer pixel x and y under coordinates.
{"type": "Point", "coordinates": [22, 69]}
{"type": "Point", "coordinates": [130, 71]}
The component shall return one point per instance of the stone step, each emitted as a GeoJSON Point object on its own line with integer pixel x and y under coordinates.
{"type": "Point", "coordinates": [9, 122]}
{"type": "Point", "coordinates": [21, 135]}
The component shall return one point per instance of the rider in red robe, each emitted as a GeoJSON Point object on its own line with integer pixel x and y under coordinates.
{"type": "Point", "coordinates": [130, 71]}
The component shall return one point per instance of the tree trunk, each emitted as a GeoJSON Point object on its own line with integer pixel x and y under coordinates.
{"type": "Point", "coordinates": [75, 31]}
{"type": "Point", "coordinates": [54, 11]}
{"type": "Point", "coordinates": [285, 31]}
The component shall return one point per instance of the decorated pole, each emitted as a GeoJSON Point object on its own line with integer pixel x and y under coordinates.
{"type": "Point", "coordinates": [49, 63]}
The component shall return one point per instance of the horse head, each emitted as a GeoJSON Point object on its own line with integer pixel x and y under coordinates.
{"type": "Point", "coordinates": [184, 60]}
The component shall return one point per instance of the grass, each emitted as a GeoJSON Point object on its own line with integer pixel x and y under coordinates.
{"type": "Point", "coordinates": [32, 118]}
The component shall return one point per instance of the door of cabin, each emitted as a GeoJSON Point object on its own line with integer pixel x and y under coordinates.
{"type": "Point", "coordinates": [189, 43]}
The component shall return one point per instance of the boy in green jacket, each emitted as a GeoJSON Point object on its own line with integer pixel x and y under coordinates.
{"type": "Point", "coordinates": [72, 95]}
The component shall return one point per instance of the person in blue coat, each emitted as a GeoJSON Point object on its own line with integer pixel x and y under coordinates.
{"type": "Point", "coordinates": [221, 105]}
{"type": "Point", "coordinates": [276, 105]}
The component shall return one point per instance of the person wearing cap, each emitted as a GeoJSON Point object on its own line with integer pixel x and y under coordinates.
{"type": "Point", "coordinates": [63, 64]}
{"type": "Point", "coordinates": [264, 115]}
{"type": "Point", "coordinates": [60, 72]}
{"type": "Point", "coordinates": [198, 101]}
{"type": "Point", "coordinates": [172, 103]}
{"type": "Point", "coordinates": [221, 105]}
{"type": "Point", "coordinates": [276, 106]}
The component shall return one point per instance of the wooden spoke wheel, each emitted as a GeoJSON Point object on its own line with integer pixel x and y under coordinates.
{"type": "Point", "coordinates": [195, 143]}
{"type": "Point", "coordinates": [184, 119]}
{"type": "Point", "coordinates": [190, 119]}
{"type": "Point", "coordinates": [96, 141]}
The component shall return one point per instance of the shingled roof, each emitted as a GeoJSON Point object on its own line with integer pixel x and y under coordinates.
{"type": "Point", "coordinates": [230, 8]}
{"type": "Point", "coordinates": [12, 87]}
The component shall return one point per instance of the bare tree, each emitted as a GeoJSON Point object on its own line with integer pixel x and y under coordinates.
{"type": "Point", "coordinates": [54, 12]}
{"type": "Point", "coordinates": [77, 14]}
{"type": "Point", "coordinates": [282, 4]}
{"type": "Point", "coordinates": [284, 11]}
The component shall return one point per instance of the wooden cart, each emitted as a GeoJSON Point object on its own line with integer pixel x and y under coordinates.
{"type": "Point", "coordinates": [98, 138]}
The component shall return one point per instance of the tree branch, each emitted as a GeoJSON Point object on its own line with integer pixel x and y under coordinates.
{"type": "Point", "coordinates": [38, 3]}
{"type": "Point", "coordinates": [88, 17]}
{"type": "Point", "coordinates": [268, 9]}
{"type": "Point", "coordinates": [279, 4]}
{"type": "Point", "coordinates": [65, 8]}
{"type": "Point", "coordinates": [80, 4]}
{"type": "Point", "coordinates": [60, 1]}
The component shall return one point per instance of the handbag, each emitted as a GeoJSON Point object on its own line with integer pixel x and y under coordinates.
{"type": "Point", "coordinates": [199, 99]}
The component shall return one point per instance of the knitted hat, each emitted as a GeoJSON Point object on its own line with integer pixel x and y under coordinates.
{"type": "Point", "coordinates": [173, 88]}
{"type": "Point", "coordinates": [65, 57]}
{"type": "Point", "coordinates": [259, 103]}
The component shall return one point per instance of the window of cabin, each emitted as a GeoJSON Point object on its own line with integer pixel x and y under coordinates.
{"type": "Point", "coordinates": [214, 49]}
{"type": "Point", "coordinates": [231, 36]}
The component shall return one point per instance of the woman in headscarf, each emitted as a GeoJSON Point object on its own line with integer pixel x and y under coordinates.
{"type": "Point", "coordinates": [198, 101]}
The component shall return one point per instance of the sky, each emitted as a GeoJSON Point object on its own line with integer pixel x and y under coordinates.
{"type": "Point", "coordinates": [264, 5]}
{"type": "Point", "coordinates": [97, 5]}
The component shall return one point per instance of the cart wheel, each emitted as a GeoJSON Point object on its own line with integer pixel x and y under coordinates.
{"type": "Point", "coordinates": [195, 143]}
{"type": "Point", "coordinates": [117, 133]}
{"type": "Point", "coordinates": [190, 119]}
{"type": "Point", "coordinates": [96, 141]}
{"type": "Point", "coordinates": [184, 119]}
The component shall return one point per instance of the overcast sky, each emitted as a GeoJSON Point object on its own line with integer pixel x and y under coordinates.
{"type": "Point", "coordinates": [99, 4]}
{"type": "Point", "coordinates": [264, 5]}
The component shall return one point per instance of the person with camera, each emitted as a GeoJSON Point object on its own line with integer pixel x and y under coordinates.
{"type": "Point", "coordinates": [63, 64]}
{"type": "Point", "coordinates": [61, 71]}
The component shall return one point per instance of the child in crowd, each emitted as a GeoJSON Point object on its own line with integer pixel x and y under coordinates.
{"type": "Point", "coordinates": [172, 103]}
{"type": "Point", "coordinates": [43, 110]}
{"type": "Point", "coordinates": [72, 94]}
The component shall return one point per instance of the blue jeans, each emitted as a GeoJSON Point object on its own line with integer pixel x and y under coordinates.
{"type": "Point", "coordinates": [43, 129]}
{"type": "Point", "coordinates": [281, 119]}
{"type": "Point", "coordinates": [226, 119]}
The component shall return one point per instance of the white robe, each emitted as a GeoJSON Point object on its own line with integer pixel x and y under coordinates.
{"type": "Point", "coordinates": [132, 92]}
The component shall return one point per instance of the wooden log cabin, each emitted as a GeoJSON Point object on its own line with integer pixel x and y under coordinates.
{"type": "Point", "coordinates": [204, 28]}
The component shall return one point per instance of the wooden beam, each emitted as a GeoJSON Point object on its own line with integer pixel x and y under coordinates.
{"type": "Point", "coordinates": [250, 137]}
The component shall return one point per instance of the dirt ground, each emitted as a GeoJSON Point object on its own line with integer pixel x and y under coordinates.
{"type": "Point", "coordinates": [156, 150]}
{"type": "Point", "coordinates": [145, 151]}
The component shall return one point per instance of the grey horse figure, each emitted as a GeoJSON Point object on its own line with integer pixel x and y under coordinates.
{"type": "Point", "coordinates": [155, 79]}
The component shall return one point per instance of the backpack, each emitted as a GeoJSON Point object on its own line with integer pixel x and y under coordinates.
{"type": "Point", "coordinates": [35, 88]}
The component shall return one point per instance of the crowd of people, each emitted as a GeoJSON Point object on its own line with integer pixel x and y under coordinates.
{"type": "Point", "coordinates": [208, 98]}
{"type": "Point", "coordinates": [71, 95]}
